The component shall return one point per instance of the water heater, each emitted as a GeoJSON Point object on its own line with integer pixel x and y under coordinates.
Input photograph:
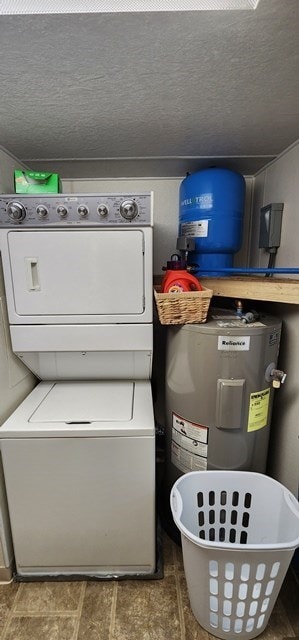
{"type": "Point", "coordinates": [211, 213]}
{"type": "Point", "coordinates": [219, 393]}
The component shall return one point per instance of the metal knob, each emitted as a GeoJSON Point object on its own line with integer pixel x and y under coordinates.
{"type": "Point", "coordinates": [129, 209]}
{"type": "Point", "coordinates": [83, 211]}
{"type": "Point", "coordinates": [16, 211]}
{"type": "Point", "coordinates": [62, 211]}
{"type": "Point", "coordinates": [102, 210]}
{"type": "Point", "coordinates": [41, 211]}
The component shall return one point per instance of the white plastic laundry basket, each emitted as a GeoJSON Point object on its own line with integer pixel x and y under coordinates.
{"type": "Point", "coordinates": [239, 531]}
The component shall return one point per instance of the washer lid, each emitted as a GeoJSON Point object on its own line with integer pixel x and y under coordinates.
{"type": "Point", "coordinates": [85, 402]}
{"type": "Point", "coordinates": [83, 410]}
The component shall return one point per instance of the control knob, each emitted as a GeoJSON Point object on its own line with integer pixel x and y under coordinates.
{"type": "Point", "coordinates": [16, 211]}
{"type": "Point", "coordinates": [129, 209]}
{"type": "Point", "coordinates": [62, 211]}
{"type": "Point", "coordinates": [41, 211]}
{"type": "Point", "coordinates": [102, 210]}
{"type": "Point", "coordinates": [83, 211]}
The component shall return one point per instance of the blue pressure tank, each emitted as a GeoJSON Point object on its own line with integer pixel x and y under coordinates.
{"type": "Point", "coordinates": [212, 213]}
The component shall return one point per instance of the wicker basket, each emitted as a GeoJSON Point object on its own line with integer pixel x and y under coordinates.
{"type": "Point", "coordinates": [183, 308]}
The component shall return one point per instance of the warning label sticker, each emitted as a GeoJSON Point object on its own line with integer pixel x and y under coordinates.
{"type": "Point", "coordinates": [258, 410]}
{"type": "Point", "coordinates": [189, 445]}
{"type": "Point", "coordinates": [196, 229]}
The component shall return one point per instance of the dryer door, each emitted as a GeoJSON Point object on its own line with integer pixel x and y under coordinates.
{"type": "Point", "coordinates": [78, 275]}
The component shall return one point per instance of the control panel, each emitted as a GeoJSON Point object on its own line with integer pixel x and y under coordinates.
{"type": "Point", "coordinates": [58, 210]}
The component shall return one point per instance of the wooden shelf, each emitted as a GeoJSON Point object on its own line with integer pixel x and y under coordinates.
{"type": "Point", "coordinates": [284, 290]}
{"type": "Point", "coordinates": [258, 288]}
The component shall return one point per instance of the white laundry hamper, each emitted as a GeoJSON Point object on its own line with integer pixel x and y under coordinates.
{"type": "Point", "coordinates": [239, 531]}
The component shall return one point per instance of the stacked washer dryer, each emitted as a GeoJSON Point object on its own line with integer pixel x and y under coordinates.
{"type": "Point", "coordinates": [79, 452]}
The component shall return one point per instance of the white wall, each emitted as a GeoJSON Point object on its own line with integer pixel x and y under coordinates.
{"type": "Point", "coordinates": [15, 379]}
{"type": "Point", "coordinates": [7, 165]}
{"type": "Point", "coordinates": [279, 182]}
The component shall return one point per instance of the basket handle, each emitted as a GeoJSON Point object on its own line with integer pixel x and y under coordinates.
{"type": "Point", "coordinates": [176, 503]}
{"type": "Point", "coordinates": [292, 502]}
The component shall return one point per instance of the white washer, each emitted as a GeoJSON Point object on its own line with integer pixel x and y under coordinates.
{"type": "Point", "coordinates": [79, 452]}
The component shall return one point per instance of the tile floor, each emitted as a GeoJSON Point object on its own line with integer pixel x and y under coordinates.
{"type": "Point", "coordinates": [124, 610]}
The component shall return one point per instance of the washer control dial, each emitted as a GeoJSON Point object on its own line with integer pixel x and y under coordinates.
{"type": "Point", "coordinates": [83, 211]}
{"type": "Point", "coordinates": [102, 210]}
{"type": "Point", "coordinates": [62, 211]}
{"type": "Point", "coordinates": [42, 211]}
{"type": "Point", "coordinates": [129, 209]}
{"type": "Point", "coordinates": [16, 211]}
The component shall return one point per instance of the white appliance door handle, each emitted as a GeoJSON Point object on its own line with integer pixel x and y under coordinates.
{"type": "Point", "coordinates": [33, 283]}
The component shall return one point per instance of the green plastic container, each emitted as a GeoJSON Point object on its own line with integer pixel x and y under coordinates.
{"type": "Point", "coordinates": [36, 182]}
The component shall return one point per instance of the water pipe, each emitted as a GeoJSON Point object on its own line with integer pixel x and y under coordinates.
{"type": "Point", "coordinates": [247, 270]}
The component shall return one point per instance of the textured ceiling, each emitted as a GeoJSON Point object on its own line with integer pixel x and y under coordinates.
{"type": "Point", "coordinates": [158, 85]}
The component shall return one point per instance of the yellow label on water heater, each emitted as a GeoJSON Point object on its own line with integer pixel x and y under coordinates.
{"type": "Point", "coordinates": [258, 410]}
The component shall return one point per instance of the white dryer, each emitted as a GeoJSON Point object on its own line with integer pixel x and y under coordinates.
{"type": "Point", "coordinates": [79, 452]}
